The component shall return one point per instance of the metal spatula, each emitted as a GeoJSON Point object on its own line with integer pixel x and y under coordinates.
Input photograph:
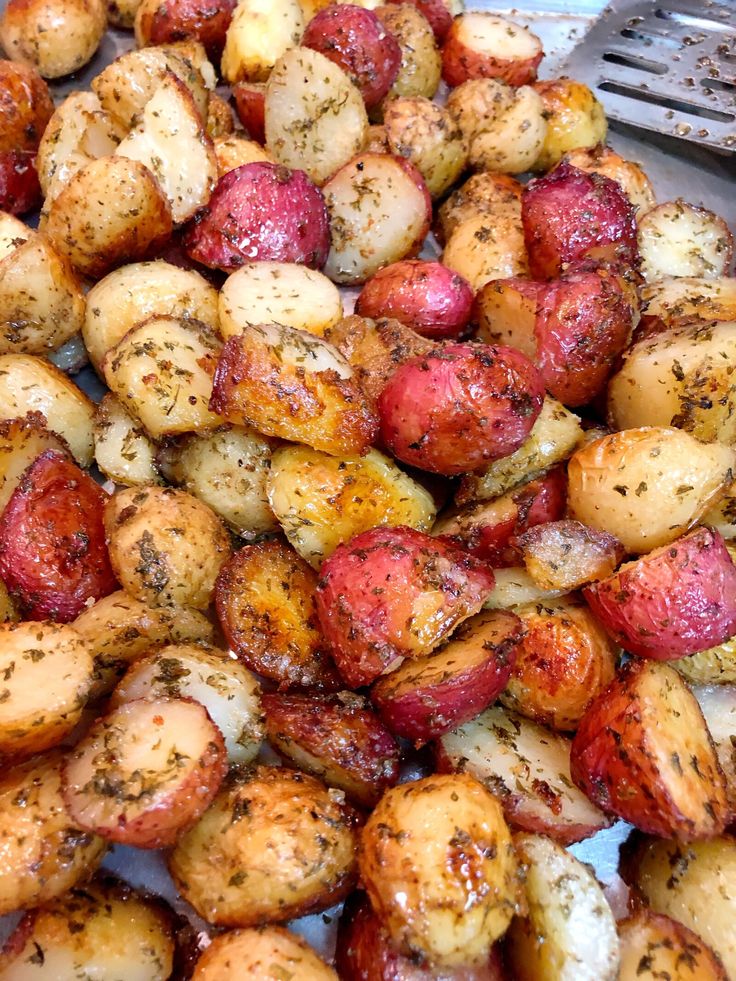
{"type": "Point", "coordinates": [668, 66]}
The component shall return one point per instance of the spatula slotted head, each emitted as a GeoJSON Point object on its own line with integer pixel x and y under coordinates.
{"type": "Point", "coordinates": [667, 66]}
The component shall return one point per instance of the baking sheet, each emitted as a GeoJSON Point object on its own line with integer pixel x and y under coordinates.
{"type": "Point", "coordinates": [677, 170]}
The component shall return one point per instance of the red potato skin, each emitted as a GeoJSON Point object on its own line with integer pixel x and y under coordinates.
{"type": "Point", "coordinates": [356, 40]}
{"type": "Point", "coordinates": [373, 595]}
{"type": "Point", "coordinates": [344, 735]}
{"type": "Point", "coordinates": [261, 211]}
{"type": "Point", "coordinates": [426, 296]}
{"type": "Point", "coordinates": [250, 105]}
{"type": "Point", "coordinates": [677, 600]}
{"type": "Point", "coordinates": [365, 953]}
{"type": "Point", "coordinates": [464, 690]}
{"type": "Point", "coordinates": [489, 529]}
{"type": "Point", "coordinates": [53, 556]}
{"type": "Point", "coordinates": [205, 21]}
{"type": "Point", "coordinates": [460, 63]}
{"type": "Point", "coordinates": [570, 214]}
{"type": "Point", "coordinates": [460, 407]}
{"type": "Point", "coordinates": [19, 188]}
{"type": "Point", "coordinates": [25, 107]}
{"type": "Point", "coordinates": [436, 12]}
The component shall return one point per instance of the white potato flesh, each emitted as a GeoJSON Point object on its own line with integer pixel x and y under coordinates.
{"type": "Point", "coordinates": [528, 768]}
{"type": "Point", "coordinates": [12, 233]}
{"type": "Point", "coordinates": [31, 384]}
{"type": "Point", "coordinates": [235, 151]}
{"type": "Point", "coordinates": [259, 33]}
{"type": "Point", "coordinates": [268, 954]}
{"type": "Point", "coordinates": [46, 672]}
{"type": "Point", "coordinates": [683, 378]}
{"type": "Point", "coordinates": [487, 247]}
{"type": "Point", "coordinates": [227, 689]}
{"type": "Point", "coordinates": [515, 587]}
{"type": "Point", "coordinates": [21, 441]}
{"type": "Point", "coordinates": [162, 373]}
{"type": "Point", "coordinates": [124, 452]}
{"type": "Point", "coordinates": [135, 292]}
{"type": "Point", "coordinates": [680, 239]}
{"type": "Point", "coordinates": [718, 705]}
{"type": "Point", "coordinates": [171, 140]}
{"type": "Point", "coordinates": [315, 116]}
{"type": "Point", "coordinates": [379, 214]}
{"type": "Point", "coordinates": [690, 298]}
{"type": "Point", "coordinates": [281, 293]}
{"type": "Point", "coordinates": [497, 37]}
{"type": "Point", "coordinates": [570, 933]}
{"type": "Point", "coordinates": [322, 501]}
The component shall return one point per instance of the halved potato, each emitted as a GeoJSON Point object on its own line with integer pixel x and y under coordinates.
{"type": "Point", "coordinates": [681, 239]}
{"type": "Point", "coordinates": [427, 135]}
{"type": "Point", "coordinates": [487, 247]}
{"type": "Point", "coordinates": [267, 953]}
{"type": "Point", "coordinates": [601, 159]}
{"type": "Point", "coordinates": [236, 151]}
{"type": "Point", "coordinates": [421, 65]}
{"type": "Point", "coordinates": [575, 118]}
{"type": "Point", "coordinates": [515, 587]}
{"type": "Point", "coordinates": [688, 299]}
{"type": "Point", "coordinates": [484, 193]}
{"type": "Point", "coordinates": [718, 705]}
{"type": "Point", "coordinates": [655, 947]}
{"type": "Point", "coordinates": [259, 33]}
{"type": "Point", "coordinates": [21, 441]}
{"type": "Point", "coordinates": [124, 452]}
{"type": "Point", "coordinates": [12, 233]}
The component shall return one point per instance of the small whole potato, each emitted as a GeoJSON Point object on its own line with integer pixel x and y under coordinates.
{"type": "Point", "coordinates": [25, 106]}
{"type": "Point", "coordinates": [55, 36]}
{"type": "Point", "coordinates": [269, 952]}
{"type": "Point", "coordinates": [575, 118]}
{"type": "Point", "coordinates": [166, 547]}
{"type": "Point", "coordinates": [421, 65]}
{"type": "Point", "coordinates": [426, 134]}
{"type": "Point", "coordinates": [485, 193]}
{"type": "Point", "coordinates": [206, 21]}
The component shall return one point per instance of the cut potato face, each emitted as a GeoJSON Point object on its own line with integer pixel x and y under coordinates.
{"type": "Point", "coordinates": [654, 946]}
{"type": "Point", "coordinates": [284, 293]}
{"type": "Point", "coordinates": [13, 233]}
{"type": "Point", "coordinates": [259, 34]}
{"type": "Point", "coordinates": [515, 587]}
{"type": "Point", "coordinates": [484, 193]}
{"type": "Point", "coordinates": [123, 450]}
{"type": "Point", "coordinates": [21, 441]}
{"type": "Point", "coordinates": [680, 239]}
{"type": "Point", "coordinates": [487, 247]}
{"type": "Point", "coordinates": [718, 705]}
{"type": "Point", "coordinates": [321, 501]}
{"type": "Point", "coordinates": [687, 299]}
{"type": "Point", "coordinates": [269, 954]}
{"type": "Point", "coordinates": [162, 372]}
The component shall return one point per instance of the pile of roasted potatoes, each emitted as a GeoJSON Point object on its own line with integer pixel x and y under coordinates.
{"type": "Point", "coordinates": [359, 602]}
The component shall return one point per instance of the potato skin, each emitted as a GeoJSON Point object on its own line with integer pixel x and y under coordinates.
{"type": "Point", "coordinates": [19, 188]}
{"type": "Point", "coordinates": [679, 599]}
{"type": "Point", "coordinates": [603, 160]}
{"type": "Point", "coordinates": [642, 751]}
{"type": "Point", "coordinates": [392, 593]}
{"type": "Point", "coordinates": [205, 21]}
{"type": "Point", "coordinates": [421, 64]}
{"type": "Point", "coordinates": [166, 547]}
{"type": "Point", "coordinates": [287, 836]}
{"type": "Point", "coordinates": [456, 409]}
{"type": "Point", "coordinates": [266, 953]}
{"type": "Point", "coordinates": [652, 945]}
{"type": "Point", "coordinates": [421, 851]}
{"type": "Point", "coordinates": [53, 556]}
{"type": "Point", "coordinates": [575, 118]}
{"type": "Point", "coordinates": [261, 211]}
{"type": "Point", "coordinates": [428, 136]}
{"type": "Point", "coordinates": [439, 14]}
{"type": "Point", "coordinates": [484, 193]}
{"type": "Point", "coordinates": [25, 106]}
{"type": "Point", "coordinates": [423, 295]}
{"type": "Point", "coordinates": [250, 105]}
{"type": "Point", "coordinates": [56, 38]}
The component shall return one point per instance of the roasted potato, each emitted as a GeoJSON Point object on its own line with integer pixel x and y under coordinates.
{"type": "Point", "coordinates": [417, 850]}
{"type": "Point", "coordinates": [653, 946]}
{"type": "Point", "coordinates": [439, 14]}
{"type": "Point", "coordinates": [205, 21]}
{"type": "Point", "coordinates": [273, 845]}
{"type": "Point", "coordinates": [515, 587]}
{"type": "Point", "coordinates": [575, 119]}
{"type": "Point", "coordinates": [486, 247]}
{"type": "Point", "coordinates": [120, 629]}
{"type": "Point", "coordinates": [235, 151]}
{"type": "Point", "coordinates": [482, 194]}
{"type": "Point", "coordinates": [266, 607]}
{"type": "Point", "coordinates": [718, 705]}
{"type": "Point", "coordinates": [123, 450]}
{"type": "Point", "coordinates": [8, 612]}
{"type": "Point", "coordinates": [250, 105]}
{"type": "Point", "coordinates": [47, 674]}
{"type": "Point", "coordinates": [393, 593]}
{"type": "Point", "coordinates": [569, 933]}
{"type": "Point", "coordinates": [259, 33]}
{"type": "Point", "coordinates": [26, 106]}
{"type": "Point", "coordinates": [57, 38]}
{"type": "Point", "coordinates": [268, 953]}
{"type": "Point", "coordinates": [601, 159]}
{"type": "Point", "coordinates": [680, 239]}
{"type": "Point", "coordinates": [483, 45]}
{"type": "Point", "coordinates": [133, 293]}
{"type": "Point", "coordinates": [166, 547]}
{"type": "Point", "coordinates": [646, 486]}
{"type": "Point", "coordinates": [111, 211]}
{"type": "Point", "coordinates": [336, 738]}
{"type": "Point", "coordinates": [326, 409]}
{"type": "Point", "coordinates": [21, 442]}
{"type": "Point", "coordinates": [527, 767]}
{"type": "Point", "coordinates": [567, 554]}
{"type": "Point", "coordinates": [676, 301]}
{"type": "Point", "coordinates": [380, 211]}
{"type": "Point", "coordinates": [322, 501]}
{"type": "Point", "coordinates": [421, 65]}
{"type": "Point", "coordinates": [44, 853]}
{"type": "Point", "coordinates": [20, 191]}
{"type": "Point", "coordinates": [428, 136]}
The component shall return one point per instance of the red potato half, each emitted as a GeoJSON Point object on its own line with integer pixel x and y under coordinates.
{"type": "Point", "coordinates": [393, 593]}
{"type": "Point", "coordinates": [261, 211]}
{"type": "Point", "coordinates": [356, 40]}
{"type": "Point", "coordinates": [483, 45]}
{"type": "Point", "coordinates": [250, 105]}
{"type": "Point", "coordinates": [423, 295]}
{"type": "Point", "coordinates": [336, 738]}
{"type": "Point", "coordinates": [570, 214]}
{"type": "Point", "coordinates": [426, 698]}
{"type": "Point", "coordinates": [53, 555]}
{"type": "Point", "coordinates": [19, 188]}
{"type": "Point", "coordinates": [144, 773]}
{"type": "Point", "coordinates": [205, 21]}
{"type": "Point", "coordinates": [643, 752]}
{"type": "Point", "coordinates": [655, 947]}
{"type": "Point", "coordinates": [460, 407]}
{"type": "Point", "coordinates": [677, 600]}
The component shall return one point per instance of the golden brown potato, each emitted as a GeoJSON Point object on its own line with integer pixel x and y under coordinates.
{"type": "Point", "coordinates": [681, 239]}
{"type": "Point", "coordinates": [228, 470]}
{"type": "Point", "coordinates": [427, 135]}
{"type": "Point", "coordinates": [575, 118]}
{"type": "Point", "coordinates": [422, 849]}
{"type": "Point", "coordinates": [568, 554]}
{"type": "Point", "coordinates": [496, 195]}
{"type": "Point", "coordinates": [274, 844]}
{"type": "Point", "coordinates": [161, 371]}
{"type": "Point", "coordinates": [487, 247]}
{"type": "Point", "coordinates": [133, 293]}
{"type": "Point", "coordinates": [570, 932]}
{"type": "Point", "coordinates": [26, 106]}
{"type": "Point", "coordinates": [46, 671]}
{"type": "Point", "coordinates": [259, 33]}
{"type": "Point", "coordinates": [123, 450]}
{"type": "Point", "coordinates": [654, 947]}
{"type": "Point", "coordinates": [236, 151]}
{"type": "Point", "coordinates": [21, 441]}
{"type": "Point", "coordinates": [30, 384]}
{"type": "Point", "coordinates": [220, 124]}
{"type": "Point", "coordinates": [119, 629]}
{"type": "Point", "coordinates": [111, 211]}
{"type": "Point", "coordinates": [322, 500]}
{"type": "Point", "coordinates": [646, 486]}
{"type": "Point", "coordinates": [8, 612]}
{"type": "Point", "coordinates": [54, 36]}
{"type": "Point", "coordinates": [421, 64]}
{"type": "Point", "coordinates": [680, 300]}
{"type": "Point", "coordinates": [602, 159]}
{"type": "Point", "coordinates": [43, 853]}
{"type": "Point", "coordinates": [166, 547]}
{"type": "Point", "coordinates": [103, 930]}
{"type": "Point", "coordinates": [267, 953]}
{"type": "Point", "coordinates": [315, 116]}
